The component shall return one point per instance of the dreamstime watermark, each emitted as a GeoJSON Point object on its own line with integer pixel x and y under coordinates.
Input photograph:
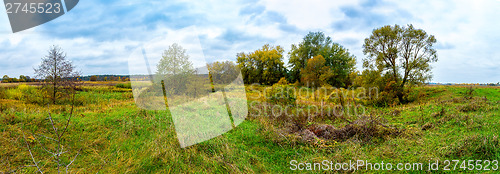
{"type": "Point", "coordinates": [25, 14]}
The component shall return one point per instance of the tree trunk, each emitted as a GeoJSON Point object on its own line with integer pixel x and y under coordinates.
{"type": "Point", "coordinates": [54, 93]}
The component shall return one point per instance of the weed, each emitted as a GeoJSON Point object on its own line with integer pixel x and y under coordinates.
{"type": "Point", "coordinates": [439, 114]}
{"type": "Point", "coordinates": [124, 85]}
{"type": "Point", "coordinates": [427, 126]}
{"type": "Point", "coordinates": [139, 141]}
{"type": "Point", "coordinates": [282, 94]}
{"type": "Point", "coordinates": [484, 147]}
{"type": "Point", "coordinates": [469, 92]}
{"type": "Point", "coordinates": [470, 107]}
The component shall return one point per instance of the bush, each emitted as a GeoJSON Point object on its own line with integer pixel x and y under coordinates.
{"type": "Point", "coordinates": [388, 96]}
{"type": "Point", "coordinates": [470, 107]}
{"type": "Point", "coordinates": [282, 94]}
{"type": "Point", "coordinates": [469, 93]}
{"type": "Point", "coordinates": [282, 81]}
{"type": "Point", "coordinates": [124, 85]}
{"type": "Point", "coordinates": [2, 93]}
{"type": "Point", "coordinates": [476, 147]}
{"type": "Point", "coordinates": [28, 94]}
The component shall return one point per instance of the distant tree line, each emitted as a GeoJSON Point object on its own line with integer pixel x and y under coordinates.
{"type": "Point", "coordinates": [23, 78]}
{"type": "Point", "coordinates": [106, 78]}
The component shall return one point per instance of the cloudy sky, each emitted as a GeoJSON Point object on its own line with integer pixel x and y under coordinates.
{"type": "Point", "coordinates": [99, 36]}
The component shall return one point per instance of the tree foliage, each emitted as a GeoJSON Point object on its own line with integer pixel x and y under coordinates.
{"type": "Point", "coordinates": [337, 58]}
{"type": "Point", "coordinates": [23, 78]}
{"type": "Point", "coordinates": [5, 79]}
{"type": "Point", "coordinates": [174, 61]}
{"type": "Point", "coordinates": [264, 66]}
{"type": "Point", "coordinates": [316, 73]}
{"type": "Point", "coordinates": [174, 69]}
{"type": "Point", "coordinates": [58, 73]}
{"type": "Point", "coordinates": [93, 78]}
{"type": "Point", "coordinates": [401, 54]}
{"type": "Point", "coordinates": [341, 64]}
{"type": "Point", "coordinates": [223, 72]}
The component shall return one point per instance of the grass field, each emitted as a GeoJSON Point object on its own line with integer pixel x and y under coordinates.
{"type": "Point", "coordinates": [111, 135]}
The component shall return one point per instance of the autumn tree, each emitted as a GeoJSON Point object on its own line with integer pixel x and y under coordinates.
{"type": "Point", "coordinates": [337, 58]}
{"type": "Point", "coordinates": [93, 78]}
{"type": "Point", "coordinates": [5, 79]}
{"type": "Point", "coordinates": [23, 78]}
{"type": "Point", "coordinates": [59, 74]}
{"type": "Point", "coordinates": [402, 55]}
{"type": "Point", "coordinates": [316, 73]}
{"type": "Point", "coordinates": [223, 72]}
{"type": "Point", "coordinates": [264, 66]}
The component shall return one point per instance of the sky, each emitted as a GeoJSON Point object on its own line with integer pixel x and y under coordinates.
{"type": "Point", "coordinates": [99, 36]}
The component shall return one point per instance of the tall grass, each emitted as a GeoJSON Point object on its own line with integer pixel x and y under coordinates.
{"type": "Point", "coordinates": [25, 93]}
{"type": "Point", "coordinates": [118, 137]}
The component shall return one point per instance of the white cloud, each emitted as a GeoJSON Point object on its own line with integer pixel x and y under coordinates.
{"type": "Point", "coordinates": [309, 15]}
{"type": "Point", "coordinates": [99, 36]}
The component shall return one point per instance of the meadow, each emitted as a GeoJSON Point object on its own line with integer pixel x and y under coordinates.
{"type": "Point", "coordinates": [108, 133]}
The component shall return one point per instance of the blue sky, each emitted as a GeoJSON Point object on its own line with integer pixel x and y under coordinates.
{"type": "Point", "coordinates": [98, 36]}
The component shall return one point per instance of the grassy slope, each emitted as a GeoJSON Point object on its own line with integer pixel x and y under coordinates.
{"type": "Point", "coordinates": [117, 136]}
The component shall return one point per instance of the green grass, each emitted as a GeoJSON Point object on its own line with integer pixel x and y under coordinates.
{"type": "Point", "coordinates": [117, 137]}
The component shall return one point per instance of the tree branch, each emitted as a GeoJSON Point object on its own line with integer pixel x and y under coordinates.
{"type": "Point", "coordinates": [31, 154]}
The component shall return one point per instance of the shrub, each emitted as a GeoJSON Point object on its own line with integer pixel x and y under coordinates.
{"type": "Point", "coordinates": [282, 94]}
{"type": "Point", "coordinates": [14, 93]}
{"type": "Point", "coordinates": [2, 93]}
{"type": "Point", "coordinates": [470, 107]}
{"type": "Point", "coordinates": [25, 93]}
{"type": "Point", "coordinates": [124, 85]}
{"type": "Point", "coordinates": [387, 97]}
{"type": "Point", "coordinates": [300, 120]}
{"type": "Point", "coordinates": [476, 147]}
{"type": "Point", "coordinates": [282, 81]}
{"type": "Point", "coordinates": [469, 93]}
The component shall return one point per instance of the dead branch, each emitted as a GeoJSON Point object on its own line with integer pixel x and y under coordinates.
{"type": "Point", "coordinates": [31, 154]}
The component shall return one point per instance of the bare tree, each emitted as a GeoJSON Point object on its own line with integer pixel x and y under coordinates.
{"type": "Point", "coordinates": [58, 73]}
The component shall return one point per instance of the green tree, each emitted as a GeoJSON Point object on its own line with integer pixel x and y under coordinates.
{"type": "Point", "coordinates": [402, 55]}
{"type": "Point", "coordinates": [312, 45]}
{"type": "Point", "coordinates": [264, 66]}
{"type": "Point", "coordinates": [341, 63]}
{"type": "Point", "coordinates": [174, 69]}
{"type": "Point", "coordinates": [58, 73]}
{"type": "Point", "coordinates": [337, 58]}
